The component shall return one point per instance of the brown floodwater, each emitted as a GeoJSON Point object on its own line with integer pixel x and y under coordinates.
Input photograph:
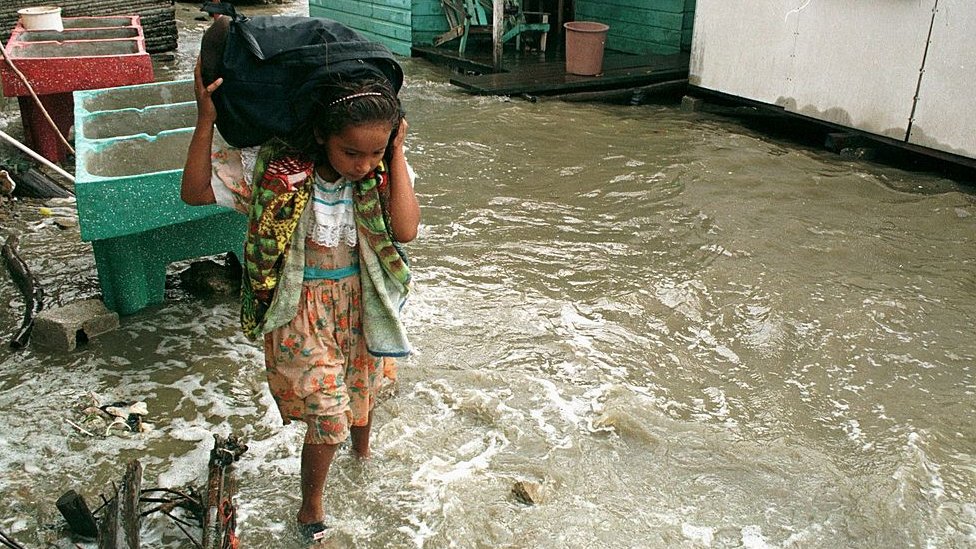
{"type": "Point", "coordinates": [692, 333]}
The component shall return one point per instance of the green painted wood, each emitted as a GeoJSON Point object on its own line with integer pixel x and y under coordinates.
{"type": "Point", "coordinates": [385, 21]}
{"type": "Point", "coordinates": [352, 7]}
{"type": "Point", "coordinates": [421, 8]}
{"type": "Point", "coordinates": [642, 26]}
{"type": "Point", "coordinates": [395, 16]}
{"type": "Point", "coordinates": [675, 6]}
{"type": "Point", "coordinates": [421, 24]}
{"type": "Point", "coordinates": [652, 18]}
{"type": "Point", "coordinates": [428, 21]}
{"type": "Point", "coordinates": [653, 34]}
{"type": "Point", "coordinates": [642, 46]}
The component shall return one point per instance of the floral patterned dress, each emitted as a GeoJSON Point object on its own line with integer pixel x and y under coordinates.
{"type": "Point", "coordinates": [319, 370]}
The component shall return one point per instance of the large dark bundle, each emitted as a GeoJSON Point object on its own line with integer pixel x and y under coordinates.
{"type": "Point", "coordinates": [271, 65]}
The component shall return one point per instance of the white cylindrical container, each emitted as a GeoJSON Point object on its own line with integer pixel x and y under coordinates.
{"type": "Point", "coordinates": [41, 18]}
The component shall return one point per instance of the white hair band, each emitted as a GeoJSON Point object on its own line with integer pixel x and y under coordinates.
{"type": "Point", "coordinates": [353, 96]}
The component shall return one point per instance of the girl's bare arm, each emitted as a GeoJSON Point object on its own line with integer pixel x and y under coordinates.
{"type": "Point", "coordinates": [195, 187]}
{"type": "Point", "coordinates": [404, 208]}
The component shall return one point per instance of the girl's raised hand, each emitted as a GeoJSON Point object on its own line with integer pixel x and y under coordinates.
{"type": "Point", "coordinates": [401, 135]}
{"type": "Point", "coordinates": [206, 111]}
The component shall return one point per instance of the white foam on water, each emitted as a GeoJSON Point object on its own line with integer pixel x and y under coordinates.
{"type": "Point", "coordinates": [931, 484]}
{"type": "Point", "coordinates": [752, 538]}
{"type": "Point", "coordinates": [720, 405]}
{"type": "Point", "coordinates": [569, 410]}
{"type": "Point", "coordinates": [682, 297]}
{"type": "Point", "coordinates": [188, 468]}
{"type": "Point", "coordinates": [703, 535]}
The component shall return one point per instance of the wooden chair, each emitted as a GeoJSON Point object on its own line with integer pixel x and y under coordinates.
{"type": "Point", "coordinates": [467, 17]}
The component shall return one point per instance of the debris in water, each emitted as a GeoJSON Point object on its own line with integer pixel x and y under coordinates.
{"type": "Point", "coordinates": [124, 416]}
{"type": "Point", "coordinates": [528, 492]}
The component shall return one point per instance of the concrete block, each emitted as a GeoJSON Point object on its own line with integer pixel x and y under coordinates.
{"type": "Point", "coordinates": [691, 104]}
{"type": "Point", "coordinates": [61, 328]}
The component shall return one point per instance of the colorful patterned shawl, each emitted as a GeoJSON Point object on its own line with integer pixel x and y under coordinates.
{"type": "Point", "coordinates": [282, 190]}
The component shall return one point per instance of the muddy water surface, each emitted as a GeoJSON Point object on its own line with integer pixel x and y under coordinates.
{"type": "Point", "coordinates": [690, 333]}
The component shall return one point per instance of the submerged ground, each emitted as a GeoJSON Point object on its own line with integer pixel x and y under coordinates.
{"type": "Point", "coordinates": [690, 332]}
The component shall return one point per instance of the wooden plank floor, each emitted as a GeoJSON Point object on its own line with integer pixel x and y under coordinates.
{"type": "Point", "coordinates": [535, 74]}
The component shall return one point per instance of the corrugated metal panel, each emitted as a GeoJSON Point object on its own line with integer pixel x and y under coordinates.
{"type": "Point", "coordinates": [945, 117]}
{"type": "Point", "coordinates": [744, 47]}
{"type": "Point", "coordinates": [857, 63]}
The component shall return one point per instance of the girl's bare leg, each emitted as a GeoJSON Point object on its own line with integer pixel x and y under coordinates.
{"type": "Point", "coordinates": [316, 460]}
{"type": "Point", "coordinates": [360, 438]}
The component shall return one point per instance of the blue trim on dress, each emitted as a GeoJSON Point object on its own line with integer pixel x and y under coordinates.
{"type": "Point", "coordinates": [333, 203]}
{"type": "Point", "coordinates": [315, 273]}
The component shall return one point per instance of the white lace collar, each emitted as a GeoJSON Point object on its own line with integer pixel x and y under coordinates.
{"type": "Point", "coordinates": [334, 217]}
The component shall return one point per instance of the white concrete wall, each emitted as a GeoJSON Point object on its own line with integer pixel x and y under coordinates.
{"type": "Point", "coordinates": [945, 116]}
{"type": "Point", "coordinates": [856, 64]}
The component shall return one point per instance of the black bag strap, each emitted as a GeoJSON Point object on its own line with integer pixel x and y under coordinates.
{"type": "Point", "coordinates": [223, 8]}
{"type": "Point", "coordinates": [228, 9]}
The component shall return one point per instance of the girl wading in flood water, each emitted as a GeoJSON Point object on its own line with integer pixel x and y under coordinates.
{"type": "Point", "coordinates": [324, 273]}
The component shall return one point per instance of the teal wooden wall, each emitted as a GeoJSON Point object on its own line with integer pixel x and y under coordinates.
{"type": "Point", "coordinates": [636, 26]}
{"type": "Point", "coordinates": [385, 21]}
{"type": "Point", "coordinates": [642, 26]}
{"type": "Point", "coordinates": [689, 23]}
{"type": "Point", "coordinates": [428, 22]}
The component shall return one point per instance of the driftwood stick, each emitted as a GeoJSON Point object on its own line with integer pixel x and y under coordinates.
{"type": "Point", "coordinates": [179, 524]}
{"type": "Point", "coordinates": [220, 515]}
{"type": "Point", "coordinates": [183, 522]}
{"type": "Point", "coordinates": [8, 541]}
{"type": "Point", "coordinates": [36, 184]}
{"type": "Point", "coordinates": [180, 493]}
{"type": "Point", "coordinates": [79, 427]}
{"type": "Point", "coordinates": [28, 285]}
{"type": "Point", "coordinates": [119, 528]}
{"type": "Point", "coordinates": [33, 154]}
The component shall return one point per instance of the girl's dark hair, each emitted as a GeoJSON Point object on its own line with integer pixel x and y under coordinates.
{"type": "Point", "coordinates": [331, 113]}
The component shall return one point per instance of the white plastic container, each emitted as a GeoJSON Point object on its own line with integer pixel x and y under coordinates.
{"type": "Point", "coordinates": [41, 18]}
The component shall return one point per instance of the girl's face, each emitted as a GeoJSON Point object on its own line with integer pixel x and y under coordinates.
{"type": "Point", "coordinates": [357, 150]}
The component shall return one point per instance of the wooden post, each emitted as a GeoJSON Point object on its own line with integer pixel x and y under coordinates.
{"type": "Point", "coordinates": [28, 285]}
{"type": "Point", "coordinates": [76, 512]}
{"type": "Point", "coordinates": [220, 515]}
{"type": "Point", "coordinates": [119, 528]}
{"type": "Point", "coordinates": [497, 30]}
{"type": "Point", "coordinates": [33, 183]}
